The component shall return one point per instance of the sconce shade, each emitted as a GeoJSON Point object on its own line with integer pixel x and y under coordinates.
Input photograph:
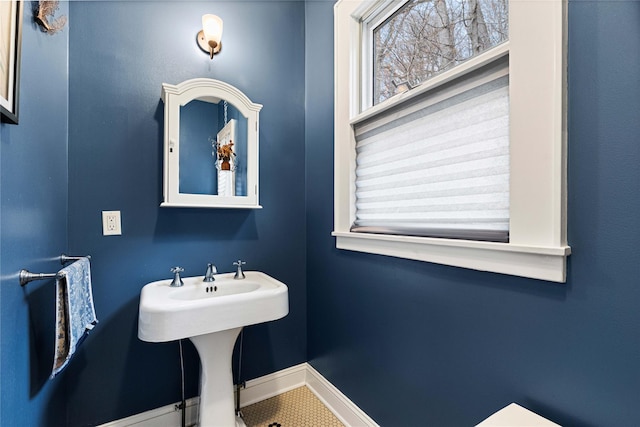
{"type": "Point", "coordinates": [211, 39]}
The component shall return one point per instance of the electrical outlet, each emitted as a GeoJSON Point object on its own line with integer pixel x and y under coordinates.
{"type": "Point", "coordinates": [111, 223]}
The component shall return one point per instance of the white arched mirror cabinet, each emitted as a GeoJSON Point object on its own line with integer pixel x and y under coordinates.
{"type": "Point", "coordinates": [210, 146]}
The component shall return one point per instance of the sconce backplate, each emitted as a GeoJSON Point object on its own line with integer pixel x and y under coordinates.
{"type": "Point", "coordinates": [202, 42]}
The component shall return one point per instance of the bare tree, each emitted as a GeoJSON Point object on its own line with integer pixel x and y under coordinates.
{"type": "Point", "coordinates": [476, 27]}
{"type": "Point", "coordinates": [446, 35]}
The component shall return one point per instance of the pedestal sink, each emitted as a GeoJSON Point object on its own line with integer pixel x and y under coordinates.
{"type": "Point", "coordinates": [211, 315]}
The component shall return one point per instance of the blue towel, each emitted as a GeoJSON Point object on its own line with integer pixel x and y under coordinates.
{"type": "Point", "coordinates": [75, 312]}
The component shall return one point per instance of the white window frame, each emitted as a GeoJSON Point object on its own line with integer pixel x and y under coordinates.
{"type": "Point", "coordinates": [537, 245]}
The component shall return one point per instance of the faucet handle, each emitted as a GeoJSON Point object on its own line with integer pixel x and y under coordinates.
{"type": "Point", "coordinates": [239, 273]}
{"type": "Point", "coordinates": [211, 270]}
{"type": "Point", "coordinates": [177, 281]}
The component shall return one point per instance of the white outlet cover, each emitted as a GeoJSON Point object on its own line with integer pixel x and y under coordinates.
{"type": "Point", "coordinates": [111, 225]}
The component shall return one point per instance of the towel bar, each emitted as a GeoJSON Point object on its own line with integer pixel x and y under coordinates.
{"type": "Point", "coordinates": [26, 276]}
{"type": "Point", "coordinates": [66, 258]}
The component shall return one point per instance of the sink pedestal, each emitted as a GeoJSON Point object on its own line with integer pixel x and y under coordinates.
{"type": "Point", "coordinates": [217, 408]}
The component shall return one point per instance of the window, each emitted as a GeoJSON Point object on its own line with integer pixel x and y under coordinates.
{"type": "Point", "coordinates": [507, 92]}
{"type": "Point", "coordinates": [424, 38]}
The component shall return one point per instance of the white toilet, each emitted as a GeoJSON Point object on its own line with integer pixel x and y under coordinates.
{"type": "Point", "coordinates": [515, 415]}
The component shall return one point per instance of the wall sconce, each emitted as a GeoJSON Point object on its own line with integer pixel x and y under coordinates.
{"type": "Point", "coordinates": [210, 37]}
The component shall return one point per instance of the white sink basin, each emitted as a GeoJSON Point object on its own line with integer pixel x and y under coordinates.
{"type": "Point", "coordinates": [199, 308]}
{"type": "Point", "coordinates": [211, 315]}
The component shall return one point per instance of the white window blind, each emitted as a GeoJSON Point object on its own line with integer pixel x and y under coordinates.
{"type": "Point", "coordinates": [438, 166]}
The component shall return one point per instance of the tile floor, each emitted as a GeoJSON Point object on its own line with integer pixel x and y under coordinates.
{"type": "Point", "coordinates": [296, 408]}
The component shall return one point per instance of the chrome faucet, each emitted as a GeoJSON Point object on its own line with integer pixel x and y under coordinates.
{"type": "Point", "coordinates": [177, 281]}
{"type": "Point", "coordinates": [239, 273]}
{"type": "Point", "coordinates": [211, 270]}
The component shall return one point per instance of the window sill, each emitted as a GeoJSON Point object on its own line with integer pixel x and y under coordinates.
{"type": "Point", "coordinates": [537, 262]}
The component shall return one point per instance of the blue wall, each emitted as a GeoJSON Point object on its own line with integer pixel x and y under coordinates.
{"type": "Point", "coordinates": [115, 163]}
{"type": "Point", "coordinates": [33, 229]}
{"type": "Point", "coordinates": [52, 199]}
{"type": "Point", "coordinates": [417, 344]}
{"type": "Point", "coordinates": [411, 343]}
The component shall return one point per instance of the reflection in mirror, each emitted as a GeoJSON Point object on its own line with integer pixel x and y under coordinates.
{"type": "Point", "coordinates": [206, 126]}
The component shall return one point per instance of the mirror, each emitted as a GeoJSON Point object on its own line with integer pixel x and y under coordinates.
{"type": "Point", "coordinates": [205, 128]}
{"type": "Point", "coordinates": [210, 146]}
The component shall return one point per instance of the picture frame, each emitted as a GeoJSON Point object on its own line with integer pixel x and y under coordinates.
{"type": "Point", "coordinates": [10, 53]}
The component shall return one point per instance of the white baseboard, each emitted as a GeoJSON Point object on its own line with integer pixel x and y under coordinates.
{"type": "Point", "coordinates": [341, 406]}
{"type": "Point", "coordinates": [257, 390]}
{"type": "Point", "coordinates": [262, 388]}
{"type": "Point", "coordinates": [166, 416]}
